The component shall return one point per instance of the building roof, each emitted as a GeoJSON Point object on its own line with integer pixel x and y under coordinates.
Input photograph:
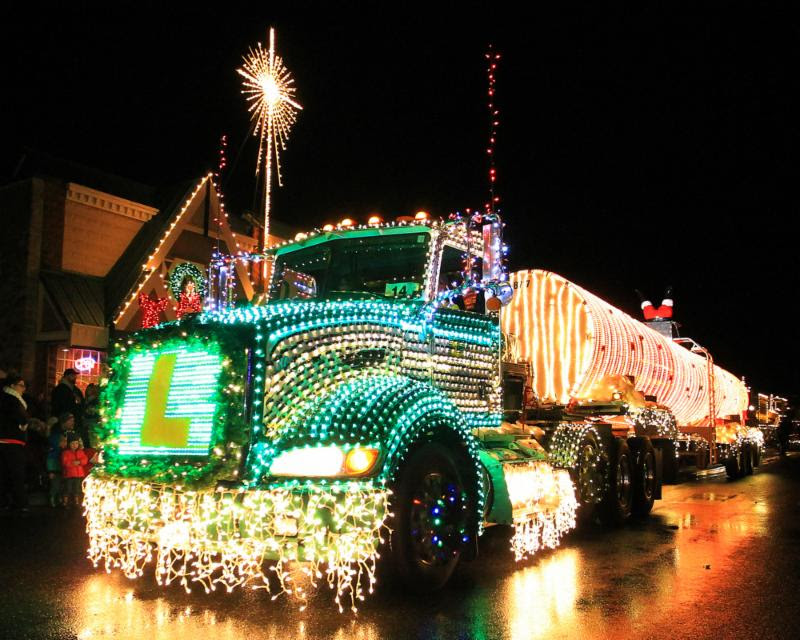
{"type": "Point", "coordinates": [249, 221]}
{"type": "Point", "coordinates": [283, 230]}
{"type": "Point", "coordinates": [126, 272]}
{"type": "Point", "coordinates": [34, 163]}
{"type": "Point", "coordinates": [78, 298]}
{"type": "Point", "coordinates": [89, 300]}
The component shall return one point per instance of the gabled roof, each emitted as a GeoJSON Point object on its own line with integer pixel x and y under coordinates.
{"type": "Point", "coordinates": [78, 298]}
{"type": "Point", "coordinates": [127, 271]}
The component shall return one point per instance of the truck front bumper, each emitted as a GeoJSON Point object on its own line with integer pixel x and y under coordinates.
{"type": "Point", "coordinates": [223, 537]}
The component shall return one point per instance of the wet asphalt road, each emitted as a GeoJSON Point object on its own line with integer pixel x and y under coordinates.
{"type": "Point", "coordinates": [716, 559]}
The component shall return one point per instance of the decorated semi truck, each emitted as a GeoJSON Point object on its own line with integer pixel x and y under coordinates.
{"type": "Point", "coordinates": [358, 412]}
{"type": "Point", "coordinates": [372, 406]}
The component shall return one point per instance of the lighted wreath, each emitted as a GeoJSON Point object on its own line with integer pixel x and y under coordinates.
{"type": "Point", "coordinates": [177, 279]}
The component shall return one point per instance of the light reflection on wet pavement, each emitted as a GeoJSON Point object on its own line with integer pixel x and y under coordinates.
{"type": "Point", "coordinates": [716, 559]}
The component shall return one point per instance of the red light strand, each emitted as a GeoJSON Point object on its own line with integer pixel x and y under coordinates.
{"type": "Point", "coordinates": [222, 162]}
{"type": "Point", "coordinates": [492, 60]}
{"type": "Point", "coordinates": [222, 159]}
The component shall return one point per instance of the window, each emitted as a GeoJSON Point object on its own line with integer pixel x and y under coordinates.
{"type": "Point", "coordinates": [451, 272]}
{"type": "Point", "coordinates": [387, 266]}
{"type": "Point", "coordinates": [88, 363]}
{"type": "Point", "coordinates": [299, 274]}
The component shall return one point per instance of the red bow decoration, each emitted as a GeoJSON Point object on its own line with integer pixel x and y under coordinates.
{"type": "Point", "coordinates": [189, 303]}
{"type": "Point", "coordinates": [151, 309]}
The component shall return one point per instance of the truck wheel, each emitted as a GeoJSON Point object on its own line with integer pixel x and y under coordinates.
{"type": "Point", "coordinates": [590, 471]}
{"type": "Point", "coordinates": [431, 509]}
{"type": "Point", "coordinates": [703, 459]}
{"type": "Point", "coordinates": [748, 459]}
{"type": "Point", "coordinates": [757, 456]}
{"type": "Point", "coordinates": [733, 466]}
{"type": "Point", "coordinates": [618, 503]}
{"type": "Point", "coordinates": [644, 478]}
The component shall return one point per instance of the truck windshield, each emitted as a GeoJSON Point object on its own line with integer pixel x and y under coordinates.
{"type": "Point", "coordinates": [390, 266]}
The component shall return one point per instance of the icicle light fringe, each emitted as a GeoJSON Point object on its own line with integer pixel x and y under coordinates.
{"type": "Point", "coordinates": [224, 538]}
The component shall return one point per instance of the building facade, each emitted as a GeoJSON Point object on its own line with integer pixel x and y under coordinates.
{"type": "Point", "coordinates": [79, 250]}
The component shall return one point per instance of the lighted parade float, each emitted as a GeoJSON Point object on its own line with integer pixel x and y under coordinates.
{"type": "Point", "coordinates": [392, 393]}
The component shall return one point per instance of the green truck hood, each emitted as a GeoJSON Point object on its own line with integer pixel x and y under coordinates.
{"type": "Point", "coordinates": [189, 401]}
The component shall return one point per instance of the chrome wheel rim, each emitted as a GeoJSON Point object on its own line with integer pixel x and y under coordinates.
{"type": "Point", "coordinates": [436, 518]}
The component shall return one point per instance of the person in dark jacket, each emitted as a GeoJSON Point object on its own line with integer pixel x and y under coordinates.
{"type": "Point", "coordinates": [67, 397]}
{"type": "Point", "coordinates": [13, 424]}
{"type": "Point", "coordinates": [91, 415]}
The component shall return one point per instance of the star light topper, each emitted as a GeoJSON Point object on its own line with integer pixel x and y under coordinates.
{"type": "Point", "coordinates": [269, 89]}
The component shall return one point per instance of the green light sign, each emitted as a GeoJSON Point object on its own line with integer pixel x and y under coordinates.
{"type": "Point", "coordinates": [169, 403]}
{"type": "Point", "coordinates": [401, 289]}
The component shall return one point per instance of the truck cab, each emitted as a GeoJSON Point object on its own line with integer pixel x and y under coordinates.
{"type": "Point", "coordinates": [363, 397]}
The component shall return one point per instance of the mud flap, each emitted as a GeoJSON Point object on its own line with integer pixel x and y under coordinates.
{"type": "Point", "coordinates": [669, 461]}
{"type": "Point", "coordinates": [659, 471]}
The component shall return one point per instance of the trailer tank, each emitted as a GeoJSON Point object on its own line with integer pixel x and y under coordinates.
{"type": "Point", "coordinates": [573, 339]}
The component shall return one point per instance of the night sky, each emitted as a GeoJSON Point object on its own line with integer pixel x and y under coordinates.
{"type": "Point", "coordinates": [636, 150]}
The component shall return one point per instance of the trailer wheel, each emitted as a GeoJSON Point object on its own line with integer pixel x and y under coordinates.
{"type": "Point", "coordinates": [733, 465]}
{"type": "Point", "coordinates": [431, 518]}
{"type": "Point", "coordinates": [644, 478]}
{"type": "Point", "coordinates": [618, 503]}
{"type": "Point", "coordinates": [590, 471]}
{"type": "Point", "coordinates": [748, 459]}
{"type": "Point", "coordinates": [757, 456]}
{"type": "Point", "coordinates": [703, 459]}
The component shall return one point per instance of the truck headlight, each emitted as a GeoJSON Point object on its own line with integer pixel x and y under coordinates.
{"type": "Point", "coordinates": [324, 462]}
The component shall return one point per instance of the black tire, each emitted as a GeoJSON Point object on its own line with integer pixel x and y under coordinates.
{"type": "Point", "coordinates": [644, 476]}
{"type": "Point", "coordinates": [733, 465]}
{"type": "Point", "coordinates": [756, 456]}
{"type": "Point", "coordinates": [426, 544]}
{"type": "Point", "coordinates": [617, 504]}
{"type": "Point", "coordinates": [748, 459]}
{"type": "Point", "coordinates": [669, 461]}
{"type": "Point", "coordinates": [703, 458]}
{"type": "Point", "coordinates": [699, 458]}
{"type": "Point", "coordinates": [590, 471]}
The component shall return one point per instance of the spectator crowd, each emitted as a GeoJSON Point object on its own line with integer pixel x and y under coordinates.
{"type": "Point", "coordinates": [46, 448]}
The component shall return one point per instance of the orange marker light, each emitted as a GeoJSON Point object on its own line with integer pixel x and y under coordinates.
{"type": "Point", "coordinates": [421, 215]}
{"type": "Point", "coordinates": [374, 219]}
{"type": "Point", "coordinates": [328, 227]}
{"type": "Point", "coordinates": [360, 460]}
{"type": "Point", "coordinates": [347, 222]}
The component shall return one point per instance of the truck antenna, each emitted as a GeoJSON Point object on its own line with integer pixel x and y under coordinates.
{"type": "Point", "coordinates": [492, 59]}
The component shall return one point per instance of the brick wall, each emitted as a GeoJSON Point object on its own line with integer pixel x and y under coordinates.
{"type": "Point", "coordinates": [33, 215]}
{"type": "Point", "coordinates": [15, 207]}
{"type": "Point", "coordinates": [95, 239]}
{"type": "Point", "coordinates": [53, 196]}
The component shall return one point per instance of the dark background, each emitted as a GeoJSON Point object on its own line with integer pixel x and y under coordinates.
{"type": "Point", "coordinates": [637, 148]}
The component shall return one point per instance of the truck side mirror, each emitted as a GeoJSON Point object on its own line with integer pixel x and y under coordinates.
{"type": "Point", "coordinates": [498, 295]}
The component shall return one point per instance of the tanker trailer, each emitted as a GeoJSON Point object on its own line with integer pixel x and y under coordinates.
{"type": "Point", "coordinates": [598, 378]}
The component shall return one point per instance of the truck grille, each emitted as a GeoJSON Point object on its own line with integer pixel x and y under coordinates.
{"type": "Point", "coordinates": [169, 402]}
